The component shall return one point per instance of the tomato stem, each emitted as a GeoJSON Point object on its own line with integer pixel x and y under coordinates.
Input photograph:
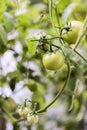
{"type": "Point", "coordinates": [21, 119]}
{"type": "Point", "coordinates": [80, 55]}
{"type": "Point", "coordinates": [75, 91]}
{"type": "Point", "coordinates": [57, 17]}
{"type": "Point", "coordinates": [59, 93]}
{"type": "Point", "coordinates": [9, 115]}
{"type": "Point", "coordinates": [48, 38]}
{"type": "Point", "coordinates": [51, 14]}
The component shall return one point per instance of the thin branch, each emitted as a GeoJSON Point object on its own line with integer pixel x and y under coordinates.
{"type": "Point", "coordinates": [59, 93]}
{"type": "Point", "coordinates": [9, 115]}
{"type": "Point", "coordinates": [47, 38]}
{"type": "Point", "coordinates": [80, 55]}
{"type": "Point", "coordinates": [21, 119]}
{"type": "Point", "coordinates": [57, 17]}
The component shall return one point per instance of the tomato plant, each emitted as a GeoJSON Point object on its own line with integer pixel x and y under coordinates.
{"type": "Point", "coordinates": [71, 32]}
{"type": "Point", "coordinates": [53, 60]}
{"type": "Point", "coordinates": [32, 32]}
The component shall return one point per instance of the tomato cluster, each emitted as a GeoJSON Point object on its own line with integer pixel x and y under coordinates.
{"type": "Point", "coordinates": [69, 33]}
{"type": "Point", "coordinates": [26, 112]}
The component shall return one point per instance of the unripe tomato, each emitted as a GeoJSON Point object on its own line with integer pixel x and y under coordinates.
{"type": "Point", "coordinates": [32, 119]}
{"type": "Point", "coordinates": [9, 104]}
{"type": "Point", "coordinates": [53, 60]}
{"type": "Point", "coordinates": [72, 35]}
{"type": "Point", "coordinates": [23, 111]}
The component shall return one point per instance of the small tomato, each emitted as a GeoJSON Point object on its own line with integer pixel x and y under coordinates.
{"type": "Point", "coordinates": [23, 111]}
{"type": "Point", "coordinates": [72, 35]}
{"type": "Point", "coordinates": [53, 60]}
{"type": "Point", "coordinates": [32, 119]}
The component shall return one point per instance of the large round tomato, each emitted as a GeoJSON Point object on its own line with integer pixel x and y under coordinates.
{"type": "Point", "coordinates": [71, 35]}
{"type": "Point", "coordinates": [53, 60]}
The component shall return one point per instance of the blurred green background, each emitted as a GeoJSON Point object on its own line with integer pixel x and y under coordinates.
{"type": "Point", "coordinates": [23, 76]}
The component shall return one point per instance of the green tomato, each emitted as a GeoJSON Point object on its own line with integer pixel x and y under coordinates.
{"type": "Point", "coordinates": [32, 119]}
{"type": "Point", "coordinates": [9, 104]}
{"type": "Point", "coordinates": [53, 60]}
{"type": "Point", "coordinates": [72, 35]}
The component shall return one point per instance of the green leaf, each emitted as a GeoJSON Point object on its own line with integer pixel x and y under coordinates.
{"type": "Point", "coordinates": [35, 86]}
{"type": "Point", "coordinates": [3, 34]}
{"type": "Point", "coordinates": [2, 6]}
{"type": "Point", "coordinates": [9, 21]}
{"type": "Point", "coordinates": [61, 5]}
{"type": "Point", "coordinates": [32, 85]}
{"type": "Point", "coordinates": [31, 46]}
{"type": "Point", "coordinates": [2, 47]}
{"type": "Point", "coordinates": [37, 97]}
{"type": "Point", "coordinates": [15, 74]}
{"type": "Point", "coordinates": [24, 21]}
{"type": "Point", "coordinates": [68, 11]}
{"type": "Point", "coordinates": [40, 88]}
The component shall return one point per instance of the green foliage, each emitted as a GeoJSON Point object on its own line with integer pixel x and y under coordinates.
{"type": "Point", "coordinates": [31, 46]}
{"type": "Point", "coordinates": [3, 35]}
{"type": "Point", "coordinates": [15, 74]}
{"type": "Point", "coordinates": [2, 6]}
{"type": "Point", "coordinates": [9, 21]}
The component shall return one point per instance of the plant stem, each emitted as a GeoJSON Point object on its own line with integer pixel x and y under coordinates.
{"type": "Point", "coordinates": [59, 26]}
{"type": "Point", "coordinates": [48, 38]}
{"type": "Point", "coordinates": [13, 120]}
{"type": "Point", "coordinates": [75, 90]}
{"type": "Point", "coordinates": [57, 17]}
{"type": "Point", "coordinates": [58, 47]}
{"type": "Point", "coordinates": [80, 55]}
{"type": "Point", "coordinates": [21, 119]}
{"type": "Point", "coordinates": [51, 14]}
{"type": "Point", "coordinates": [78, 40]}
{"type": "Point", "coordinates": [59, 93]}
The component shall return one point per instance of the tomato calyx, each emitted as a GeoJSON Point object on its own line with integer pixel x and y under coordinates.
{"type": "Point", "coordinates": [67, 28]}
{"type": "Point", "coordinates": [43, 46]}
